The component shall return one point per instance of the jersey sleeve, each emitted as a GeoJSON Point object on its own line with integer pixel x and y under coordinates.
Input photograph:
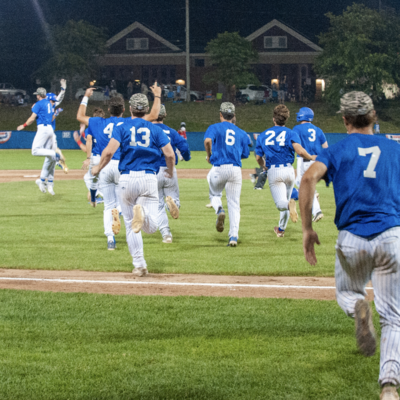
{"type": "Point", "coordinates": [160, 138]}
{"type": "Point", "coordinates": [181, 144]}
{"type": "Point", "coordinates": [117, 132]}
{"type": "Point", "coordinates": [245, 145]}
{"type": "Point", "coordinates": [250, 142]}
{"type": "Point", "coordinates": [36, 108]}
{"type": "Point", "coordinates": [259, 150]}
{"type": "Point", "coordinates": [89, 128]}
{"type": "Point", "coordinates": [322, 137]}
{"type": "Point", "coordinates": [209, 133]}
{"type": "Point", "coordinates": [294, 137]}
{"type": "Point", "coordinates": [326, 158]}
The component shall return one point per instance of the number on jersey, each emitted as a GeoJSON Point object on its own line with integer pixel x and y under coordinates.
{"type": "Point", "coordinates": [145, 140]}
{"type": "Point", "coordinates": [280, 138]}
{"type": "Point", "coordinates": [108, 130]}
{"type": "Point", "coordinates": [49, 108]}
{"type": "Point", "coordinates": [230, 137]}
{"type": "Point", "coordinates": [375, 154]}
{"type": "Point", "coordinates": [313, 135]}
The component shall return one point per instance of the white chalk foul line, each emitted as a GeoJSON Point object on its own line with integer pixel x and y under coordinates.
{"type": "Point", "coordinates": [225, 285]}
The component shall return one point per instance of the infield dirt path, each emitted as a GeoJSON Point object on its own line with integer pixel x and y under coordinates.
{"type": "Point", "coordinates": [77, 174]}
{"type": "Point", "coordinates": [121, 283]}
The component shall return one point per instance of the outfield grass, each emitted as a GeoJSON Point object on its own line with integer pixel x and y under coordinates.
{"type": "Point", "coordinates": [87, 346]}
{"type": "Point", "coordinates": [198, 116]}
{"type": "Point", "coordinates": [63, 232]}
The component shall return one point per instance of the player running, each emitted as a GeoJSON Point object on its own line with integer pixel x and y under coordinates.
{"type": "Point", "coordinates": [141, 144]}
{"type": "Point", "coordinates": [278, 144]}
{"type": "Point", "coordinates": [44, 144]}
{"type": "Point", "coordinates": [168, 188]}
{"type": "Point", "coordinates": [312, 139]}
{"type": "Point", "coordinates": [226, 145]}
{"type": "Point", "coordinates": [364, 170]}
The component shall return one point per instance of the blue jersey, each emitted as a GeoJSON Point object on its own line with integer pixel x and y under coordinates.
{"type": "Point", "coordinates": [140, 144]}
{"type": "Point", "coordinates": [44, 111]}
{"type": "Point", "coordinates": [177, 142]}
{"type": "Point", "coordinates": [312, 138]}
{"type": "Point", "coordinates": [101, 129]}
{"type": "Point", "coordinates": [229, 144]}
{"type": "Point", "coordinates": [365, 171]}
{"type": "Point", "coordinates": [276, 144]}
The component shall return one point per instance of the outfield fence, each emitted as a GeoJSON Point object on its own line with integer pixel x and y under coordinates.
{"type": "Point", "coordinates": [65, 139]}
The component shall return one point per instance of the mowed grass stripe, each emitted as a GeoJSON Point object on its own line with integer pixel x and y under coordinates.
{"type": "Point", "coordinates": [86, 346]}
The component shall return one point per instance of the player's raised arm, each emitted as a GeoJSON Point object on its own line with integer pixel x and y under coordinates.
{"type": "Point", "coordinates": [29, 121]}
{"type": "Point", "coordinates": [306, 198]}
{"type": "Point", "coordinates": [81, 116]}
{"type": "Point", "coordinates": [155, 110]}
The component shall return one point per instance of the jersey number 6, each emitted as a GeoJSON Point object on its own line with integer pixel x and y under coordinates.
{"type": "Point", "coordinates": [230, 137]}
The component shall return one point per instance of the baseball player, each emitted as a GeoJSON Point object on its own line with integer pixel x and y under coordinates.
{"type": "Point", "coordinates": [168, 187]}
{"type": "Point", "coordinates": [99, 132]}
{"type": "Point", "coordinates": [44, 144]}
{"type": "Point", "coordinates": [364, 170]}
{"type": "Point", "coordinates": [312, 139]}
{"type": "Point", "coordinates": [46, 180]}
{"type": "Point", "coordinates": [278, 144]}
{"type": "Point", "coordinates": [142, 145]}
{"type": "Point", "coordinates": [226, 145]}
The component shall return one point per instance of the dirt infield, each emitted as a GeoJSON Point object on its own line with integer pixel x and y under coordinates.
{"type": "Point", "coordinates": [170, 284]}
{"type": "Point", "coordinates": [76, 174]}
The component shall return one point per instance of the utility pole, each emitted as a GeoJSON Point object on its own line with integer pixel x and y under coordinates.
{"type": "Point", "coordinates": [187, 54]}
{"type": "Point", "coordinates": [380, 5]}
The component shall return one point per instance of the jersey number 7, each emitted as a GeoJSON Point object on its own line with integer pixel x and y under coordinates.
{"type": "Point", "coordinates": [376, 152]}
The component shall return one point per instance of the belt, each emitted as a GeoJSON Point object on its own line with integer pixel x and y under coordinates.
{"type": "Point", "coordinates": [149, 172]}
{"type": "Point", "coordinates": [280, 165]}
{"type": "Point", "coordinates": [306, 160]}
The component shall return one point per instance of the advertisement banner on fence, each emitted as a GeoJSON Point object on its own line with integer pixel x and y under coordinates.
{"type": "Point", "coordinates": [5, 136]}
{"type": "Point", "coordinates": [396, 138]}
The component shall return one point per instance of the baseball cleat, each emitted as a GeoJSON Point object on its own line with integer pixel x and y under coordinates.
{"type": "Point", "coordinates": [61, 160]}
{"type": "Point", "coordinates": [220, 220]}
{"type": "Point", "coordinates": [41, 184]}
{"type": "Point", "coordinates": [50, 189]}
{"type": "Point", "coordinates": [140, 271]}
{"type": "Point", "coordinates": [232, 241]}
{"type": "Point", "coordinates": [293, 211]}
{"type": "Point", "coordinates": [258, 188]}
{"type": "Point", "coordinates": [209, 205]}
{"type": "Point", "coordinates": [116, 223]}
{"type": "Point", "coordinates": [389, 392]}
{"type": "Point", "coordinates": [253, 178]}
{"type": "Point", "coordinates": [278, 232]}
{"type": "Point", "coordinates": [111, 245]}
{"type": "Point", "coordinates": [365, 331]}
{"type": "Point", "coordinates": [99, 200]}
{"type": "Point", "coordinates": [318, 216]}
{"type": "Point", "coordinates": [167, 239]}
{"type": "Point", "coordinates": [172, 207]}
{"type": "Point", "coordinates": [138, 218]}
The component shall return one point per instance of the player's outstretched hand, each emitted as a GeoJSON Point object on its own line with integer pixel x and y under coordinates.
{"type": "Point", "coordinates": [85, 164]}
{"type": "Point", "coordinates": [20, 127]}
{"type": "Point", "coordinates": [76, 136]}
{"type": "Point", "coordinates": [156, 89]}
{"type": "Point", "coordinates": [309, 239]}
{"type": "Point", "coordinates": [208, 159]}
{"type": "Point", "coordinates": [63, 83]}
{"type": "Point", "coordinates": [89, 92]}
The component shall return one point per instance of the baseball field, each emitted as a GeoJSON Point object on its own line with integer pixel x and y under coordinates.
{"type": "Point", "coordinates": [209, 322]}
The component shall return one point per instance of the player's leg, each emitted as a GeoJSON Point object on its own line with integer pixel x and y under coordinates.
{"type": "Point", "coordinates": [40, 145]}
{"type": "Point", "coordinates": [148, 200]}
{"type": "Point", "coordinates": [163, 224]}
{"type": "Point", "coordinates": [233, 189]}
{"type": "Point", "coordinates": [171, 193]}
{"type": "Point", "coordinates": [386, 283]}
{"type": "Point", "coordinates": [299, 172]}
{"type": "Point", "coordinates": [218, 179]}
{"type": "Point", "coordinates": [209, 205]}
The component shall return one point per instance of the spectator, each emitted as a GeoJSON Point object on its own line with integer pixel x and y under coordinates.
{"type": "Point", "coordinates": [113, 88]}
{"type": "Point", "coordinates": [178, 92]}
{"type": "Point", "coordinates": [106, 94]}
{"type": "Point", "coordinates": [145, 89]}
{"type": "Point", "coordinates": [129, 89]}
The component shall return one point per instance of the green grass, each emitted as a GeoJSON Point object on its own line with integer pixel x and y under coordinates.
{"type": "Point", "coordinates": [23, 159]}
{"type": "Point", "coordinates": [86, 346]}
{"type": "Point", "coordinates": [64, 232]}
{"type": "Point", "coordinates": [198, 116]}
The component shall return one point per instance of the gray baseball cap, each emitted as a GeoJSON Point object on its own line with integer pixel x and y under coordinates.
{"type": "Point", "coordinates": [227, 108]}
{"type": "Point", "coordinates": [41, 92]}
{"type": "Point", "coordinates": [139, 102]}
{"type": "Point", "coordinates": [355, 103]}
{"type": "Point", "coordinates": [163, 111]}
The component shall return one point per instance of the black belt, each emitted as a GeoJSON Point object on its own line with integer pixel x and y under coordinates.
{"type": "Point", "coordinates": [306, 160]}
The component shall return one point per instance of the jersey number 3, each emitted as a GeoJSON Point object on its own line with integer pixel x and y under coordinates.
{"type": "Point", "coordinates": [375, 154]}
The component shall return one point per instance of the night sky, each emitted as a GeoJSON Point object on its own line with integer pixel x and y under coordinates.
{"type": "Point", "coordinates": [22, 35]}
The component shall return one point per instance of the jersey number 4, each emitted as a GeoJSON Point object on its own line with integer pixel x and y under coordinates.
{"type": "Point", "coordinates": [280, 138]}
{"type": "Point", "coordinates": [145, 140]}
{"type": "Point", "coordinates": [375, 154]}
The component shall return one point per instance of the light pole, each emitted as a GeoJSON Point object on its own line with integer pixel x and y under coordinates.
{"type": "Point", "coordinates": [187, 54]}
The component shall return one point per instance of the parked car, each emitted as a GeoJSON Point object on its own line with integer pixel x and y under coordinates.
{"type": "Point", "coordinates": [253, 92]}
{"type": "Point", "coordinates": [6, 88]}
{"type": "Point", "coordinates": [98, 93]}
{"type": "Point", "coordinates": [194, 94]}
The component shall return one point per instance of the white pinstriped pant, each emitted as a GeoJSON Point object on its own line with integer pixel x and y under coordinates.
{"type": "Point", "coordinates": [48, 143]}
{"type": "Point", "coordinates": [316, 208]}
{"type": "Point", "coordinates": [357, 261]}
{"type": "Point", "coordinates": [281, 182]}
{"type": "Point", "coordinates": [90, 180]}
{"type": "Point", "coordinates": [108, 184]}
{"type": "Point", "coordinates": [166, 187]}
{"type": "Point", "coordinates": [227, 177]}
{"type": "Point", "coordinates": [298, 170]}
{"type": "Point", "coordinates": [44, 144]}
{"type": "Point", "coordinates": [137, 187]}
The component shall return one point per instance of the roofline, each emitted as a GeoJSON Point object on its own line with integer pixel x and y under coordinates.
{"type": "Point", "coordinates": [284, 27]}
{"type": "Point", "coordinates": [136, 25]}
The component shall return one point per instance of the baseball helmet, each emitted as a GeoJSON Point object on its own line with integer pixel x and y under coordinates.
{"type": "Point", "coordinates": [51, 97]}
{"type": "Point", "coordinates": [305, 114]}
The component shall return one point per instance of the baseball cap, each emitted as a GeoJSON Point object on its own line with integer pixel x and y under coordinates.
{"type": "Point", "coordinates": [139, 102]}
{"type": "Point", "coordinates": [51, 96]}
{"type": "Point", "coordinates": [355, 103]}
{"type": "Point", "coordinates": [41, 92]}
{"type": "Point", "coordinates": [227, 108]}
{"type": "Point", "coordinates": [163, 111]}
